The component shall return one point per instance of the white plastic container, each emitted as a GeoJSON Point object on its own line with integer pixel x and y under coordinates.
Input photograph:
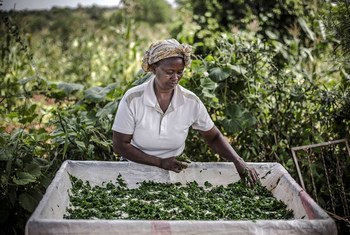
{"type": "Point", "coordinates": [309, 218]}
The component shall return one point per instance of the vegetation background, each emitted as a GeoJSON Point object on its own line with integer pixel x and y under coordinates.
{"type": "Point", "coordinates": [273, 75]}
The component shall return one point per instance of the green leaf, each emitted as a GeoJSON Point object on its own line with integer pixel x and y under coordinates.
{"type": "Point", "coordinates": [99, 141]}
{"type": "Point", "coordinates": [23, 178]}
{"type": "Point", "coordinates": [308, 52]}
{"type": "Point", "coordinates": [69, 88]}
{"type": "Point", "coordinates": [209, 58]}
{"type": "Point", "coordinates": [271, 34]}
{"type": "Point", "coordinates": [28, 118]}
{"type": "Point", "coordinates": [3, 139]}
{"type": "Point", "coordinates": [3, 180]}
{"type": "Point", "coordinates": [29, 200]}
{"type": "Point", "coordinates": [5, 154]}
{"type": "Point", "coordinates": [237, 68]}
{"type": "Point", "coordinates": [41, 162]}
{"type": "Point", "coordinates": [80, 144]}
{"type": "Point", "coordinates": [238, 118]}
{"type": "Point", "coordinates": [57, 134]}
{"type": "Point", "coordinates": [54, 92]}
{"type": "Point", "coordinates": [45, 182]}
{"type": "Point", "coordinates": [306, 29]}
{"type": "Point", "coordinates": [12, 115]}
{"type": "Point", "coordinates": [97, 94]}
{"type": "Point", "coordinates": [208, 87]}
{"type": "Point", "coordinates": [28, 114]}
{"type": "Point", "coordinates": [196, 64]}
{"type": "Point", "coordinates": [26, 80]}
{"type": "Point", "coordinates": [219, 74]}
{"type": "Point", "coordinates": [33, 169]}
{"type": "Point", "coordinates": [109, 108]}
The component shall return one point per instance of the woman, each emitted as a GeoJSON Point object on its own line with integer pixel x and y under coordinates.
{"type": "Point", "coordinates": [153, 119]}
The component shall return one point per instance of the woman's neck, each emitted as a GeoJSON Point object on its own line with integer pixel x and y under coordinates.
{"type": "Point", "coordinates": [163, 94]}
{"type": "Point", "coordinates": [163, 98]}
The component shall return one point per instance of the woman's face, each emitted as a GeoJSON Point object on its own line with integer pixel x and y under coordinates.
{"type": "Point", "coordinates": [168, 73]}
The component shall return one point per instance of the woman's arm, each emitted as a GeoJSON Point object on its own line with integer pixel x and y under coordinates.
{"type": "Point", "coordinates": [220, 145]}
{"type": "Point", "coordinates": [123, 147]}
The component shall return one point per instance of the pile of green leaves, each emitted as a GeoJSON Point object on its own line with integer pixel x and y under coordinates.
{"type": "Point", "coordinates": [167, 201]}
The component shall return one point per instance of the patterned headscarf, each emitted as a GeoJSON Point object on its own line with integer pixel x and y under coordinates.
{"type": "Point", "coordinates": [165, 49]}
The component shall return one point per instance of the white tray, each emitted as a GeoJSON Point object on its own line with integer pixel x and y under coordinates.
{"type": "Point", "coordinates": [47, 218]}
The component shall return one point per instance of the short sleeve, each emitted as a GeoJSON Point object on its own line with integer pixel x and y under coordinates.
{"type": "Point", "coordinates": [124, 121]}
{"type": "Point", "coordinates": [203, 121]}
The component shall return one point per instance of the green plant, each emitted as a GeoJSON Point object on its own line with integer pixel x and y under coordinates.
{"type": "Point", "coordinates": [26, 170]}
{"type": "Point", "coordinates": [53, 105]}
{"type": "Point", "coordinates": [264, 106]}
{"type": "Point", "coordinates": [83, 130]}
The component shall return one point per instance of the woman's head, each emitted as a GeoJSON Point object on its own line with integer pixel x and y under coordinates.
{"type": "Point", "coordinates": [168, 72]}
{"type": "Point", "coordinates": [165, 49]}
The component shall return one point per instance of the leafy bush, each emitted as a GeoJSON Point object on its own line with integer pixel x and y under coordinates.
{"type": "Point", "coordinates": [30, 157]}
{"type": "Point", "coordinates": [46, 116]}
{"type": "Point", "coordinates": [26, 170]}
{"type": "Point", "coordinates": [263, 106]}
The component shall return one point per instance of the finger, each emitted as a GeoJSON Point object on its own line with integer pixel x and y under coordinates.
{"type": "Point", "coordinates": [251, 182]}
{"type": "Point", "coordinates": [177, 170]}
{"type": "Point", "coordinates": [253, 177]}
{"type": "Point", "coordinates": [183, 165]}
{"type": "Point", "coordinates": [256, 176]}
{"type": "Point", "coordinates": [248, 181]}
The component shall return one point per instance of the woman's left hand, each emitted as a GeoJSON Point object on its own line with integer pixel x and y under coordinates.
{"type": "Point", "coordinates": [220, 145]}
{"type": "Point", "coordinates": [248, 174]}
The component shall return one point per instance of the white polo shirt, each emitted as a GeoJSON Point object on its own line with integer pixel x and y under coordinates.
{"type": "Point", "coordinates": [154, 132]}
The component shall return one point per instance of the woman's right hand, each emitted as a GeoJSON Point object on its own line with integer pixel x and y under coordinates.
{"type": "Point", "coordinates": [172, 164]}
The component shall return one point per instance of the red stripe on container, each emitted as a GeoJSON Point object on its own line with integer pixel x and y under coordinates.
{"type": "Point", "coordinates": [306, 201]}
{"type": "Point", "coordinates": [161, 228]}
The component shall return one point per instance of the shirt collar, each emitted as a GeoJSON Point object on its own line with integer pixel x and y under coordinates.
{"type": "Point", "coordinates": [150, 98]}
{"type": "Point", "coordinates": [178, 98]}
